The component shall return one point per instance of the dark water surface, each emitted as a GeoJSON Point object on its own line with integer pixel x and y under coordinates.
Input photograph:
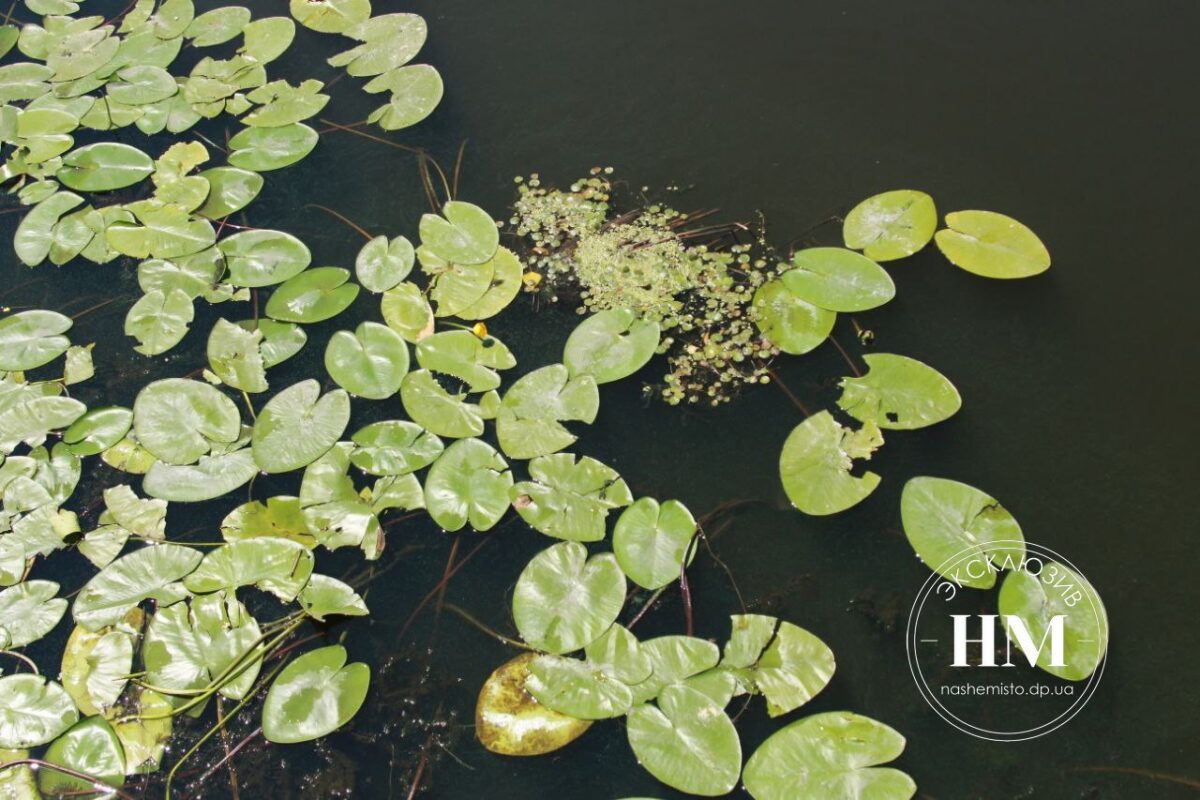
{"type": "Point", "coordinates": [1079, 385]}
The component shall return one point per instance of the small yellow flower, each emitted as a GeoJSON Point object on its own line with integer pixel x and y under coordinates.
{"type": "Point", "coordinates": [480, 330]}
{"type": "Point", "coordinates": [531, 280]}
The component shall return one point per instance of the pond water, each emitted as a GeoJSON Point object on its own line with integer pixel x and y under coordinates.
{"type": "Point", "coordinates": [1078, 386]}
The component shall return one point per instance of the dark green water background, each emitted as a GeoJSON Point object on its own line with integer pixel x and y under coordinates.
{"type": "Point", "coordinates": [1079, 386]}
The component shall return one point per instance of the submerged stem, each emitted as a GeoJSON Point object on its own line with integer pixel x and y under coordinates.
{"type": "Point", "coordinates": [477, 624]}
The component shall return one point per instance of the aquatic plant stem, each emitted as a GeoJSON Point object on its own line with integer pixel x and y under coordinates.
{"type": "Point", "coordinates": [99, 786]}
{"type": "Point", "coordinates": [21, 657]}
{"type": "Point", "coordinates": [433, 592]}
{"type": "Point", "coordinates": [846, 356]}
{"type": "Point", "coordinates": [479, 625]}
{"type": "Point", "coordinates": [349, 222]}
{"type": "Point", "coordinates": [685, 592]}
{"type": "Point", "coordinates": [229, 754]}
{"type": "Point", "coordinates": [795, 400]}
{"type": "Point", "coordinates": [233, 781]}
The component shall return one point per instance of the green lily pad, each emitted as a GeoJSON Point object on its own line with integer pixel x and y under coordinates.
{"type": "Point", "coordinates": [314, 295]}
{"type": "Point", "coordinates": [195, 275]}
{"type": "Point", "coordinates": [266, 149]}
{"type": "Point", "coordinates": [416, 91]}
{"type": "Point", "coordinates": [406, 311]}
{"type": "Point", "coordinates": [282, 104]}
{"type": "Point", "coordinates": [146, 518]}
{"type": "Point", "coordinates": [816, 460]}
{"type": "Point", "coordinates": [437, 410]}
{"type": "Point", "coordinates": [278, 566]}
{"type": "Point", "coordinates": [388, 41]}
{"type": "Point", "coordinates": [564, 600]}
{"type": "Point", "coordinates": [792, 324]}
{"type": "Point", "coordinates": [330, 16]}
{"type": "Point", "coordinates": [325, 596]}
{"type": "Point", "coordinates": [674, 659]}
{"type": "Point", "coordinates": [992, 245]}
{"type": "Point", "coordinates": [103, 167]}
{"type": "Point", "coordinates": [29, 339]}
{"type": "Point", "coordinates": [264, 257]}
{"type": "Point", "coordinates": [34, 235]}
{"type": "Point", "coordinates": [899, 393]}
{"type": "Point", "coordinates": [529, 420]}
{"type": "Point", "coordinates": [505, 284]}
{"type": "Point", "coordinates": [792, 669]}
{"type": "Point", "coordinates": [150, 572]}
{"type": "Point", "coordinates": [611, 345]}
{"type": "Point", "coordinates": [465, 234]}
{"type": "Point", "coordinates": [144, 739]}
{"type": "Point", "coordinates": [280, 516]}
{"type": "Point", "coordinates": [217, 26]}
{"type": "Point", "coordinates": [32, 420]}
{"type": "Point", "coordinates": [314, 695]}
{"type": "Point", "coordinates": [619, 655]}
{"type": "Point", "coordinates": [165, 232]}
{"type": "Point", "coordinates": [235, 356]}
{"type": "Point", "coordinates": [159, 321]}
{"type": "Point", "coordinates": [687, 742]}
{"type": "Point", "coordinates": [98, 430]}
{"type": "Point", "coordinates": [381, 264]}
{"type": "Point", "coordinates": [266, 39]}
{"type": "Point", "coordinates": [469, 482]}
{"type": "Point", "coordinates": [465, 356]}
{"type": "Point", "coordinates": [1037, 599]}
{"type": "Point", "coordinates": [651, 541]}
{"type": "Point", "coordinates": [141, 84]}
{"type": "Point", "coordinates": [179, 420]}
{"type": "Point", "coordinates": [187, 645]}
{"type": "Point", "coordinates": [230, 190]}
{"type": "Point", "coordinates": [28, 611]}
{"type": "Point", "coordinates": [395, 447]}
{"type": "Point", "coordinates": [454, 287]}
{"type": "Point", "coordinates": [960, 532]}
{"type": "Point", "coordinates": [368, 363]}
{"type": "Point", "coordinates": [891, 225]}
{"type": "Point", "coordinates": [298, 425]}
{"type": "Point", "coordinates": [90, 747]}
{"type": "Point", "coordinates": [838, 280]}
{"type": "Point", "coordinates": [281, 340]}
{"type": "Point", "coordinates": [33, 711]}
{"type": "Point", "coordinates": [509, 721]}
{"type": "Point", "coordinates": [211, 477]}
{"type": "Point", "coordinates": [96, 664]}
{"type": "Point", "coordinates": [576, 688]}
{"type": "Point", "coordinates": [570, 499]}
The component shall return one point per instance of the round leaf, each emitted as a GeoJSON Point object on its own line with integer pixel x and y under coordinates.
{"type": "Point", "coordinates": [469, 482]}
{"type": "Point", "coordinates": [838, 280]}
{"type": "Point", "coordinates": [563, 600]}
{"type": "Point", "coordinates": [90, 747]}
{"type": "Point", "coordinates": [263, 257]}
{"type": "Point", "coordinates": [610, 345]}
{"type": "Point", "coordinates": [899, 393]}
{"type": "Point", "coordinates": [265, 149]}
{"type": "Point", "coordinates": [570, 499]}
{"type": "Point", "coordinates": [179, 420]}
{"type": "Point", "coordinates": [298, 425]}
{"type": "Point", "coordinates": [793, 325]}
{"type": "Point", "coordinates": [395, 447]}
{"type": "Point", "coordinates": [368, 363]}
{"type": "Point", "coordinates": [577, 688]}
{"type": "Point", "coordinates": [28, 611]}
{"type": "Point", "coordinates": [314, 295]}
{"type": "Point", "coordinates": [651, 541]}
{"type": "Point", "coordinates": [98, 430]}
{"type": "Point", "coordinates": [29, 339]}
{"type": "Point", "coordinates": [314, 695]}
{"type": "Point", "coordinates": [151, 572]}
{"type": "Point", "coordinates": [509, 721]}
{"type": "Point", "coordinates": [230, 190]}
{"type": "Point", "coordinates": [104, 166]}
{"type": "Point", "coordinates": [33, 711]}
{"type": "Point", "coordinates": [210, 478]}
{"type": "Point", "coordinates": [992, 245]}
{"type": "Point", "coordinates": [891, 225]}
{"type": "Point", "coordinates": [815, 465]}
{"type": "Point", "coordinates": [465, 234]}
{"type": "Point", "coordinates": [687, 742]}
{"type": "Point", "coordinates": [381, 264]}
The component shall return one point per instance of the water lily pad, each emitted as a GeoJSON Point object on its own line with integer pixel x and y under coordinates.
{"type": "Point", "coordinates": [104, 166]}
{"type": "Point", "coordinates": [146, 518]}
{"type": "Point", "coordinates": [992, 245]}
{"type": "Point", "coordinates": [437, 410]}
{"type": "Point", "coordinates": [505, 284]}
{"type": "Point", "coordinates": [959, 531]}
{"type": "Point", "coordinates": [230, 190]}
{"type": "Point", "coordinates": [416, 91]}
{"type": "Point", "coordinates": [266, 149]}
{"type": "Point", "coordinates": [281, 340]}
{"type": "Point", "coordinates": [98, 430]}
{"type": "Point", "coordinates": [217, 26]}
{"type": "Point", "coordinates": [266, 39]}
{"type": "Point", "coordinates": [35, 235]}
{"type": "Point", "coordinates": [30, 421]}
{"type": "Point", "coordinates": [563, 600]}
{"type": "Point", "coordinates": [611, 345]}
{"type": "Point", "coordinates": [838, 280]}
{"type": "Point", "coordinates": [330, 16]}
{"type": "Point", "coordinates": [179, 420]}
{"type": "Point", "coordinates": [1037, 599]}
{"type": "Point", "coordinates": [165, 232]}
{"type": "Point", "coordinates": [210, 478]}
{"type": "Point", "coordinates": [406, 311]}
{"type": "Point", "coordinates": [577, 688]}
{"type": "Point", "coordinates": [899, 393]}
{"type": "Point", "coordinates": [465, 234]}
{"type": "Point", "coordinates": [90, 747]}
{"type": "Point", "coordinates": [280, 516]}
{"type": "Point", "coordinates": [298, 425]}
{"type": "Point", "coordinates": [264, 257]}
{"type": "Point", "coordinates": [792, 324]}
{"type": "Point", "coordinates": [687, 742]}
{"type": "Point", "coordinates": [314, 695]}
{"type": "Point", "coordinates": [325, 596]}
{"type": "Point", "coordinates": [150, 572]}
{"type": "Point", "coordinates": [454, 287]}
{"type": "Point", "coordinates": [33, 711]}
{"type": "Point", "coordinates": [278, 566]}
{"type": "Point", "coordinates": [465, 356]}
{"type": "Point", "coordinates": [235, 356]}
{"type": "Point", "coordinates": [651, 541]}
{"type": "Point", "coordinates": [792, 669]}
{"type": "Point", "coordinates": [159, 320]}
{"type": "Point", "coordinates": [509, 721]}
{"type": "Point", "coordinates": [381, 264]}
{"type": "Point", "coordinates": [368, 363]}
{"type": "Point", "coordinates": [141, 84]}
{"type": "Point", "coordinates": [388, 41]}
{"type": "Point", "coordinates": [816, 460]}
{"type": "Point", "coordinates": [187, 645]}
{"type": "Point", "coordinates": [469, 482]}
{"type": "Point", "coordinates": [570, 499]}
{"type": "Point", "coordinates": [28, 611]}
{"type": "Point", "coordinates": [619, 655]}
{"type": "Point", "coordinates": [29, 339]}
{"type": "Point", "coordinates": [281, 104]}
{"type": "Point", "coordinates": [144, 738]}
{"type": "Point", "coordinates": [96, 664]}
{"type": "Point", "coordinates": [395, 447]}
{"type": "Point", "coordinates": [674, 659]}
{"type": "Point", "coordinates": [529, 420]}
{"type": "Point", "coordinates": [891, 225]}
{"type": "Point", "coordinates": [314, 295]}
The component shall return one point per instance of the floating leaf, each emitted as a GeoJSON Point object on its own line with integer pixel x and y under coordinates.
{"type": "Point", "coordinates": [891, 225]}
{"type": "Point", "coordinates": [792, 324]}
{"type": "Point", "coordinates": [90, 747]}
{"type": "Point", "coordinates": [283, 104]}
{"type": "Point", "coordinates": [265, 149]}
{"type": "Point", "coordinates": [230, 189]}
{"type": "Point", "coordinates": [529, 421]}
{"type": "Point", "coordinates": [210, 478]}
{"type": "Point", "coordinates": [416, 91]}
{"type": "Point", "coordinates": [159, 321]}
{"type": "Point", "coordinates": [437, 410]}
{"type": "Point", "coordinates": [505, 284]}
{"type": "Point", "coordinates": [151, 572]}
{"type": "Point", "coordinates": [24, 81]}
{"type": "Point", "coordinates": [330, 16]}
{"type": "Point", "coordinates": [104, 166]}
{"type": "Point", "coordinates": [611, 345]}
{"type": "Point", "coordinates": [455, 287]}
{"type": "Point", "coordinates": [959, 531]}
{"type": "Point", "coordinates": [314, 295]}
{"type": "Point", "coordinates": [324, 596]}
{"type": "Point", "coordinates": [146, 518]}
{"type": "Point", "coordinates": [470, 481]}
{"type": "Point", "coordinates": [576, 688]}
{"type": "Point", "coordinates": [235, 356]}
{"type": "Point", "coordinates": [314, 695]}
{"type": "Point", "coordinates": [674, 659]}
{"type": "Point", "coordinates": [165, 232]}
{"type": "Point", "coordinates": [563, 600]}
{"type": "Point", "coordinates": [618, 654]}
{"type": "Point", "coordinates": [98, 430]}
{"type": "Point", "coordinates": [509, 721]}
{"type": "Point", "coordinates": [141, 84]}
{"type": "Point", "coordinates": [298, 425]}
{"type": "Point", "coordinates": [465, 234]}
{"type": "Point", "coordinates": [382, 264]}
{"type": "Point", "coordinates": [96, 664]}
{"type": "Point", "coordinates": [829, 755]}
{"type": "Point", "coordinates": [792, 669]}
{"type": "Point", "coordinates": [30, 421]}
{"type": "Point", "coordinates": [29, 339]}
{"type": "Point", "coordinates": [838, 280]}
{"type": "Point", "coordinates": [267, 39]}
{"type": "Point", "coordinates": [35, 234]}
{"type": "Point", "coordinates": [144, 738]}
{"type": "Point", "coordinates": [368, 363]}
{"type": "Point", "coordinates": [278, 566]}
{"type": "Point", "coordinates": [687, 742]}
{"type": "Point", "coordinates": [281, 517]}
{"type": "Point", "coordinates": [395, 447]}
{"type": "Point", "coordinates": [651, 541]}
{"type": "Point", "coordinates": [406, 311]}
{"type": "Point", "coordinates": [188, 645]}
{"type": "Point", "coordinates": [179, 420]}
{"type": "Point", "coordinates": [263, 257]}
{"type": "Point", "coordinates": [992, 245]}
{"type": "Point", "coordinates": [33, 711]}
{"type": "Point", "coordinates": [570, 499]}
{"type": "Point", "coordinates": [388, 41]}
{"type": "Point", "coordinates": [28, 611]}
{"type": "Point", "coordinates": [1036, 599]}
{"type": "Point", "coordinates": [899, 393]}
{"type": "Point", "coordinates": [465, 356]}
{"type": "Point", "coordinates": [217, 26]}
{"type": "Point", "coordinates": [281, 340]}
{"type": "Point", "coordinates": [816, 460]}
{"type": "Point", "coordinates": [195, 275]}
